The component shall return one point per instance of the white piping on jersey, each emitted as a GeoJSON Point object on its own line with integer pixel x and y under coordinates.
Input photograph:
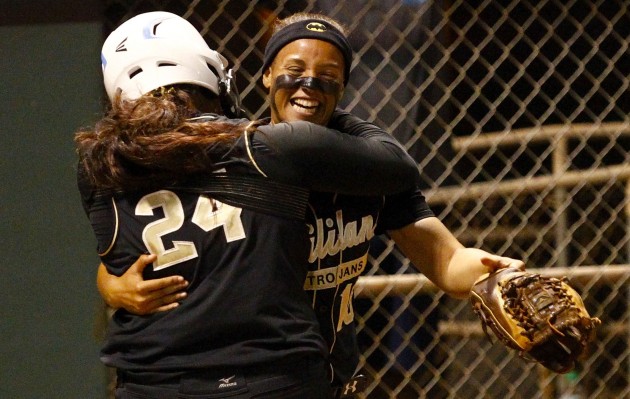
{"type": "Point", "coordinates": [330, 242]}
{"type": "Point", "coordinates": [111, 244]}
{"type": "Point", "coordinates": [205, 118]}
{"type": "Point", "coordinates": [333, 307]}
{"type": "Point", "coordinates": [249, 151]}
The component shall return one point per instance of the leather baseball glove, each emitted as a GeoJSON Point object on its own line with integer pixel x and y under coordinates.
{"type": "Point", "coordinates": [541, 317]}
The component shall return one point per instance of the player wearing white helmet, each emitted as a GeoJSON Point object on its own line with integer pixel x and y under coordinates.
{"type": "Point", "coordinates": [158, 49]}
{"type": "Point", "coordinates": [220, 202]}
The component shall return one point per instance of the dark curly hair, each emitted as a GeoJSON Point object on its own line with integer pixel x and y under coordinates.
{"type": "Point", "coordinates": [151, 140]}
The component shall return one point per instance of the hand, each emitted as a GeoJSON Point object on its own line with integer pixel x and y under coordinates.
{"type": "Point", "coordinates": [136, 295]}
{"type": "Point", "coordinates": [496, 262]}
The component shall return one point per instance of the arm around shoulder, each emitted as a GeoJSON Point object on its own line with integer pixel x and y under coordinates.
{"type": "Point", "coordinates": [323, 159]}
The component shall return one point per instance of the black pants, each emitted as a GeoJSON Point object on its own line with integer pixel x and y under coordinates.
{"type": "Point", "coordinates": [296, 379]}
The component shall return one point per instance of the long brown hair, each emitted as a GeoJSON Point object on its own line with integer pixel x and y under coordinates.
{"type": "Point", "coordinates": [152, 141]}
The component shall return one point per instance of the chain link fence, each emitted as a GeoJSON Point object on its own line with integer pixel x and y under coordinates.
{"type": "Point", "coordinates": [517, 114]}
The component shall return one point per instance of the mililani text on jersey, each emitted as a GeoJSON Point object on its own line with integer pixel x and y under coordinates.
{"type": "Point", "coordinates": [339, 236]}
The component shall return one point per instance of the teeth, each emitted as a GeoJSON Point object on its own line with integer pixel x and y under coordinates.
{"type": "Point", "coordinates": [305, 103]}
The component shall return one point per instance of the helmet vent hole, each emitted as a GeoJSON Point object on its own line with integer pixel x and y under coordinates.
{"type": "Point", "coordinates": [214, 70]}
{"type": "Point", "coordinates": [155, 28]}
{"type": "Point", "coordinates": [163, 64]}
{"type": "Point", "coordinates": [135, 72]}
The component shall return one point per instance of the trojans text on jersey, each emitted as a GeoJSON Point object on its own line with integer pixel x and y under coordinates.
{"type": "Point", "coordinates": [330, 237]}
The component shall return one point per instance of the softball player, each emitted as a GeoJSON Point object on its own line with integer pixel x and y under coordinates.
{"type": "Point", "coordinates": [305, 68]}
{"type": "Point", "coordinates": [221, 202]}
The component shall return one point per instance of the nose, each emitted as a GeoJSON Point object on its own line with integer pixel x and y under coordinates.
{"type": "Point", "coordinates": [309, 83]}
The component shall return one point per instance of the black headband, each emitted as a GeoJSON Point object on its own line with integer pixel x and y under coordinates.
{"type": "Point", "coordinates": [309, 29]}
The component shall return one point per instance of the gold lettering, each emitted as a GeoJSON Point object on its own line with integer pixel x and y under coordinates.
{"type": "Point", "coordinates": [337, 236]}
{"type": "Point", "coordinates": [334, 276]}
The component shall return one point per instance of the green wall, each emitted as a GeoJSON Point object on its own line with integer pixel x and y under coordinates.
{"type": "Point", "coordinates": [49, 85]}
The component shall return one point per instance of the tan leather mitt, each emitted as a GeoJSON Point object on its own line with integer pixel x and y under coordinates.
{"type": "Point", "coordinates": [541, 317]}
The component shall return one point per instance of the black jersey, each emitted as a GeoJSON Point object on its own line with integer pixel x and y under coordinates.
{"type": "Point", "coordinates": [246, 304]}
{"type": "Point", "coordinates": [340, 229]}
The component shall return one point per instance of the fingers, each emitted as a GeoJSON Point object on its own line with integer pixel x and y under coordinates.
{"type": "Point", "coordinates": [161, 294]}
{"type": "Point", "coordinates": [159, 304]}
{"type": "Point", "coordinates": [168, 302]}
{"type": "Point", "coordinates": [142, 297]}
{"type": "Point", "coordinates": [164, 286]}
{"type": "Point", "coordinates": [142, 262]}
{"type": "Point", "coordinates": [519, 264]}
{"type": "Point", "coordinates": [496, 262]}
{"type": "Point", "coordinates": [157, 287]}
{"type": "Point", "coordinates": [166, 308]}
{"type": "Point", "coordinates": [163, 289]}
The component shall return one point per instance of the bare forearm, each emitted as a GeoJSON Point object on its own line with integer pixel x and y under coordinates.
{"type": "Point", "coordinates": [436, 253]}
{"type": "Point", "coordinates": [430, 247]}
{"type": "Point", "coordinates": [106, 285]}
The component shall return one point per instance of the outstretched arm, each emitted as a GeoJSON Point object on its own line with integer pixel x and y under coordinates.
{"type": "Point", "coordinates": [428, 244]}
{"type": "Point", "coordinates": [435, 252]}
{"type": "Point", "coordinates": [131, 292]}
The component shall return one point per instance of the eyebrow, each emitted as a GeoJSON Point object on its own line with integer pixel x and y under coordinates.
{"type": "Point", "coordinates": [299, 59]}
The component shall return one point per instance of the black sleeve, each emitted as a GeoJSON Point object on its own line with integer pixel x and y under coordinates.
{"type": "Point", "coordinates": [403, 209]}
{"type": "Point", "coordinates": [347, 123]}
{"type": "Point", "coordinates": [86, 189]}
{"type": "Point", "coordinates": [99, 210]}
{"type": "Point", "coordinates": [322, 159]}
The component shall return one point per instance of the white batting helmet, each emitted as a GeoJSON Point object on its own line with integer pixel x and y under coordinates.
{"type": "Point", "coordinates": [157, 49]}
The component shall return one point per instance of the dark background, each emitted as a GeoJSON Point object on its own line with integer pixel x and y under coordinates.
{"type": "Point", "coordinates": [50, 85]}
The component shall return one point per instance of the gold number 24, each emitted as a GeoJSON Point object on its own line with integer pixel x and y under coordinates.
{"type": "Point", "coordinates": [206, 216]}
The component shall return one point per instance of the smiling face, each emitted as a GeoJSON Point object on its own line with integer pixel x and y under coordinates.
{"type": "Point", "coordinates": [315, 99]}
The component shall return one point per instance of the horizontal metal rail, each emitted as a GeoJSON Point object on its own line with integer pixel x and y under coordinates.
{"type": "Point", "coordinates": [528, 184]}
{"type": "Point", "coordinates": [474, 328]}
{"type": "Point", "coordinates": [559, 179]}
{"type": "Point", "coordinates": [541, 134]}
{"type": "Point", "coordinates": [409, 284]}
